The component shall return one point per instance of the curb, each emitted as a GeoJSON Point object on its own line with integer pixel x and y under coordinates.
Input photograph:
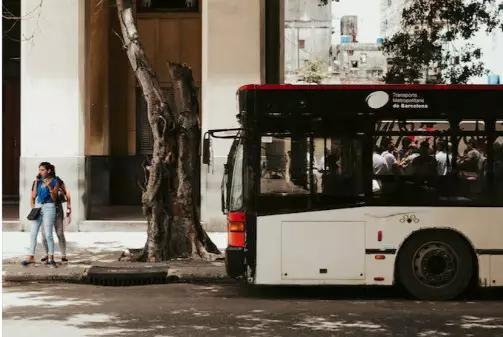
{"type": "Point", "coordinates": [177, 276]}
{"type": "Point", "coordinates": [71, 275]}
{"type": "Point", "coordinates": [134, 226]}
{"type": "Point", "coordinates": [11, 226]}
{"type": "Point", "coordinates": [86, 275]}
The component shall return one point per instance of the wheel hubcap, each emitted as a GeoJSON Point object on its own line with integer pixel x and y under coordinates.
{"type": "Point", "coordinates": [435, 264]}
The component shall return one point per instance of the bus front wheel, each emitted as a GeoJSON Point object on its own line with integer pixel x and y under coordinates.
{"type": "Point", "coordinates": [435, 265]}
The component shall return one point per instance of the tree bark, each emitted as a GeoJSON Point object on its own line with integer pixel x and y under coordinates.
{"type": "Point", "coordinates": [169, 199]}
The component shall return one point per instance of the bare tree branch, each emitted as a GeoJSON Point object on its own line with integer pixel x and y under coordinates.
{"type": "Point", "coordinates": [36, 11]}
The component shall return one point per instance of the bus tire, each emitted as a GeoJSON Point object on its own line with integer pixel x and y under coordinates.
{"type": "Point", "coordinates": [435, 265]}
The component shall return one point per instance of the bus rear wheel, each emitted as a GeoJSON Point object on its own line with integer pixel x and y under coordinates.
{"type": "Point", "coordinates": [435, 265]}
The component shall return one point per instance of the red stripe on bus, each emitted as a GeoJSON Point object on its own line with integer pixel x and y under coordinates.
{"type": "Point", "coordinates": [371, 87]}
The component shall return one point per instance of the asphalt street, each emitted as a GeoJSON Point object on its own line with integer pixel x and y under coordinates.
{"type": "Point", "coordinates": [183, 310]}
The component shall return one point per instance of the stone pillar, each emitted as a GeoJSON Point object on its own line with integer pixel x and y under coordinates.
{"type": "Point", "coordinates": [236, 25]}
{"type": "Point", "coordinates": [53, 67]}
{"type": "Point", "coordinates": [97, 120]}
{"type": "Point", "coordinates": [97, 130]}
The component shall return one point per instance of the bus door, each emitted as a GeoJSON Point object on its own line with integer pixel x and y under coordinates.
{"type": "Point", "coordinates": [308, 224]}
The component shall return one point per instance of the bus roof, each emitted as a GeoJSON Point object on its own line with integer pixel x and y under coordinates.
{"type": "Point", "coordinates": [370, 87]}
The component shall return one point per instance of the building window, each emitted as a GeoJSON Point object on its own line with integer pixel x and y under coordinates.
{"type": "Point", "coordinates": [167, 6]}
{"type": "Point", "coordinates": [145, 140]}
{"type": "Point", "coordinates": [302, 44]}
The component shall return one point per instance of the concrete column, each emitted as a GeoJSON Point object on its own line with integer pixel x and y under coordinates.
{"type": "Point", "coordinates": [97, 119]}
{"type": "Point", "coordinates": [227, 25]}
{"type": "Point", "coordinates": [53, 97]}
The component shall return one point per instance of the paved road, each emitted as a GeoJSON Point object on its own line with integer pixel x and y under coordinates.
{"type": "Point", "coordinates": [183, 310]}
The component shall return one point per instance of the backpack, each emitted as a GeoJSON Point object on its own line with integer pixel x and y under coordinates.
{"type": "Point", "coordinates": [61, 197]}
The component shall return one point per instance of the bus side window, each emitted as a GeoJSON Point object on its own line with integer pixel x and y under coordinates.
{"type": "Point", "coordinates": [409, 159]}
{"type": "Point", "coordinates": [338, 169]}
{"type": "Point", "coordinates": [498, 163]}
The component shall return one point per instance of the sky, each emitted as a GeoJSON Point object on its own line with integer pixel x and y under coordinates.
{"type": "Point", "coordinates": [368, 12]}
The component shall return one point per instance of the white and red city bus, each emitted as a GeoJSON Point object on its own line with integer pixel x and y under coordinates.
{"type": "Point", "coordinates": [310, 201]}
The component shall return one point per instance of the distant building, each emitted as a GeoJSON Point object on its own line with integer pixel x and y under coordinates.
{"type": "Point", "coordinates": [492, 53]}
{"type": "Point", "coordinates": [391, 16]}
{"type": "Point", "coordinates": [308, 32]}
{"type": "Point", "coordinates": [353, 62]}
{"type": "Point", "coordinates": [358, 63]}
{"type": "Point", "coordinates": [349, 28]}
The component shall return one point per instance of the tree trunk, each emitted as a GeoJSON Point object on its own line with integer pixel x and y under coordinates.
{"type": "Point", "coordinates": [169, 199]}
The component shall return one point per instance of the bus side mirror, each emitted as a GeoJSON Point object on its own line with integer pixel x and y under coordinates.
{"type": "Point", "coordinates": [206, 150]}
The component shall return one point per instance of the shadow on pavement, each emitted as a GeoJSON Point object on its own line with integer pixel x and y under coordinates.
{"type": "Point", "coordinates": [352, 293]}
{"type": "Point", "coordinates": [230, 310]}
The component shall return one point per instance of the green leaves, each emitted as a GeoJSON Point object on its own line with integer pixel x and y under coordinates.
{"type": "Point", "coordinates": [428, 46]}
{"type": "Point", "coordinates": [314, 71]}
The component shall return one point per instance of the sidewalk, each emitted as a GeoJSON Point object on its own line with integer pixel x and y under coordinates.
{"type": "Point", "coordinates": [92, 252]}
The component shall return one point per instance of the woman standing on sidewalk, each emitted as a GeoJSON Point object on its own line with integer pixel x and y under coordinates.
{"type": "Point", "coordinates": [43, 195]}
{"type": "Point", "coordinates": [62, 197]}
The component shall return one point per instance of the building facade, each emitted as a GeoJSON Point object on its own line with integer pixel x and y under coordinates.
{"type": "Point", "coordinates": [359, 63]}
{"type": "Point", "coordinates": [307, 35]}
{"type": "Point", "coordinates": [81, 108]}
{"type": "Point", "coordinates": [391, 16]}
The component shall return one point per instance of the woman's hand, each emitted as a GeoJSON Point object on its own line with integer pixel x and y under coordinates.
{"type": "Point", "coordinates": [53, 190]}
{"type": "Point", "coordinates": [47, 183]}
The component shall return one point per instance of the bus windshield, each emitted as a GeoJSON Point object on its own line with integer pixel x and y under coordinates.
{"type": "Point", "coordinates": [236, 186]}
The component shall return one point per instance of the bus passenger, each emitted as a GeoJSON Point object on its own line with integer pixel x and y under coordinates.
{"type": "Point", "coordinates": [425, 165]}
{"type": "Point", "coordinates": [444, 160]}
{"type": "Point", "coordinates": [390, 156]}
{"type": "Point", "coordinates": [406, 143]}
{"type": "Point", "coordinates": [331, 173]}
{"type": "Point", "coordinates": [498, 169]}
{"type": "Point", "coordinates": [378, 162]}
{"type": "Point", "coordinates": [472, 160]}
{"type": "Point", "coordinates": [379, 167]}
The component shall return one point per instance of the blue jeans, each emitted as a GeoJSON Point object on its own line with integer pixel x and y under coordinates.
{"type": "Point", "coordinates": [59, 227]}
{"type": "Point", "coordinates": [47, 217]}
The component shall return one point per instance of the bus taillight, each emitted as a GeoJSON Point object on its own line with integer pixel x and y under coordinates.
{"type": "Point", "coordinates": [236, 229]}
